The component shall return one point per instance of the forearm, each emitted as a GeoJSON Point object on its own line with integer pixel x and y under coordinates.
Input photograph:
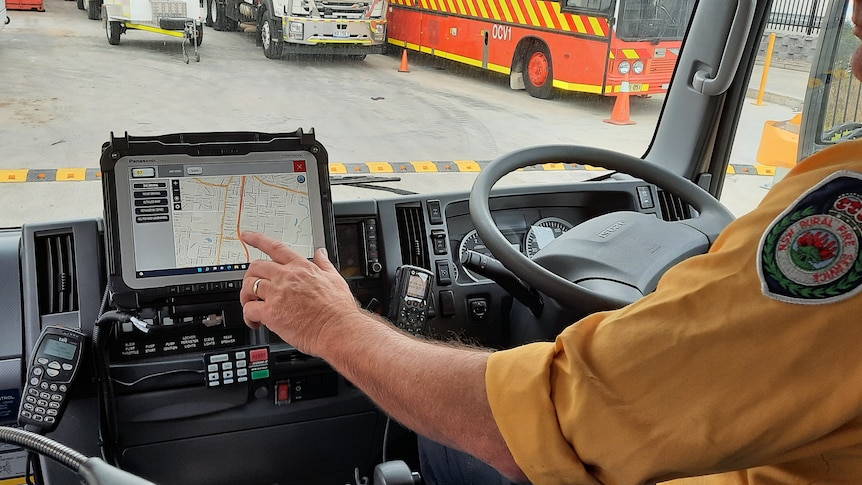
{"type": "Point", "coordinates": [436, 389]}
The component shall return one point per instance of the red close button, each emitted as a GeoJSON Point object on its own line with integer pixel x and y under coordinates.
{"type": "Point", "coordinates": [258, 355]}
{"type": "Point", "coordinates": [282, 391]}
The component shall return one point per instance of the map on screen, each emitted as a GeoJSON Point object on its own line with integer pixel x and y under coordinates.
{"type": "Point", "coordinates": [213, 211]}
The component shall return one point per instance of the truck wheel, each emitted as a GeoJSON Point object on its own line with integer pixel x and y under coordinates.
{"type": "Point", "coordinates": [80, 4]}
{"type": "Point", "coordinates": [538, 71]}
{"type": "Point", "coordinates": [94, 9]}
{"type": "Point", "coordinates": [210, 13]}
{"type": "Point", "coordinates": [215, 12]}
{"type": "Point", "coordinates": [209, 20]}
{"type": "Point", "coordinates": [112, 31]}
{"type": "Point", "coordinates": [272, 45]}
{"type": "Point", "coordinates": [213, 17]}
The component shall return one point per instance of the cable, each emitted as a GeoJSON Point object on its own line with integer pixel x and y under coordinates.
{"type": "Point", "coordinates": [107, 422]}
{"type": "Point", "coordinates": [103, 306]}
{"type": "Point", "coordinates": [30, 473]}
{"type": "Point", "coordinates": [386, 437]}
{"type": "Point", "coordinates": [358, 480]}
{"type": "Point", "coordinates": [157, 374]}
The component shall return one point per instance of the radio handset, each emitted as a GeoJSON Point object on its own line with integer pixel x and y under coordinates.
{"type": "Point", "coordinates": [408, 306]}
{"type": "Point", "coordinates": [53, 366]}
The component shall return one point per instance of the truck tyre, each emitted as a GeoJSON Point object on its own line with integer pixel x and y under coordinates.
{"type": "Point", "coordinates": [112, 31]}
{"type": "Point", "coordinates": [269, 37]}
{"type": "Point", "coordinates": [94, 9]}
{"type": "Point", "coordinates": [210, 13]}
{"type": "Point", "coordinates": [220, 22]}
{"type": "Point", "coordinates": [538, 71]}
{"type": "Point", "coordinates": [80, 4]}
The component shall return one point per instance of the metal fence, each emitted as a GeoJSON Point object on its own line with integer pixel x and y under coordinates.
{"type": "Point", "coordinates": [804, 16]}
{"type": "Point", "coordinates": [843, 115]}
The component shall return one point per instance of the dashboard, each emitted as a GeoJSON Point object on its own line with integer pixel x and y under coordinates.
{"type": "Point", "coordinates": [164, 420]}
{"type": "Point", "coordinates": [435, 231]}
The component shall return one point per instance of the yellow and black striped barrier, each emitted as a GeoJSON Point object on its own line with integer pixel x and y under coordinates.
{"type": "Point", "coordinates": [35, 175]}
{"type": "Point", "coordinates": [50, 175]}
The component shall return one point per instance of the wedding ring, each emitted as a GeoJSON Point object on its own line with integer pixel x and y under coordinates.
{"type": "Point", "coordinates": [255, 286]}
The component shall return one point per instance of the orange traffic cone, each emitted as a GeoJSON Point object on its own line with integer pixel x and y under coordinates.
{"type": "Point", "coordinates": [620, 114]}
{"type": "Point", "coordinates": [404, 67]}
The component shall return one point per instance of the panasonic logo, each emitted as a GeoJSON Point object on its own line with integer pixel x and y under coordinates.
{"type": "Point", "coordinates": [616, 226]}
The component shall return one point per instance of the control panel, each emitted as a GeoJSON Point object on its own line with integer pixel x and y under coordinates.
{"type": "Point", "coordinates": [237, 366]}
{"type": "Point", "coordinates": [132, 346]}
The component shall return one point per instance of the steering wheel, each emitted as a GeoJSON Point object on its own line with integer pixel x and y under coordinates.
{"type": "Point", "coordinates": [625, 267]}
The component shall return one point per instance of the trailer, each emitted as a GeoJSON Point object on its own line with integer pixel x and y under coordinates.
{"type": "Point", "coordinates": [176, 18]}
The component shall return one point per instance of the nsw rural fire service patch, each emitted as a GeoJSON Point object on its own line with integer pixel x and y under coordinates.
{"type": "Point", "coordinates": [810, 254]}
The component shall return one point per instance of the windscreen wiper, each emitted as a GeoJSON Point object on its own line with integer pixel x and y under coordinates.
{"type": "Point", "coordinates": [368, 182]}
{"type": "Point", "coordinates": [605, 176]}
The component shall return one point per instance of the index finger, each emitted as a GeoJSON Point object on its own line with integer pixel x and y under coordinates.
{"type": "Point", "coordinates": [275, 249]}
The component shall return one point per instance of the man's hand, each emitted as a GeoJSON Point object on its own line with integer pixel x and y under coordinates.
{"type": "Point", "coordinates": [297, 299]}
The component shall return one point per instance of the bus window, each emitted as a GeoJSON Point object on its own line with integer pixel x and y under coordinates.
{"type": "Point", "coordinates": [592, 6]}
{"type": "Point", "coordinates": [645, 19]}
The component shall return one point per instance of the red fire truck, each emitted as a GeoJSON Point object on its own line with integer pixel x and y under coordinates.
{"type": "Point", "coordinates": [603, 47]}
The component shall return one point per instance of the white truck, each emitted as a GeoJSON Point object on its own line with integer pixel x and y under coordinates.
{"type": "Point", "coordinates": [351, 28]}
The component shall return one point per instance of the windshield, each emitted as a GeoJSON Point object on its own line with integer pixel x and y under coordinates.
{"type": "Point", "coordinates": [654, 19]}
{"type": "Point", "coordinates": [426, 117]}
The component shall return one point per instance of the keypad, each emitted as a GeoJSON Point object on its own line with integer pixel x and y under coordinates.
{"type": "Point", "coordinates": [236, 366]}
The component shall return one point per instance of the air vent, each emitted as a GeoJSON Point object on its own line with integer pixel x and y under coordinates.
{"type": "Point", "coordinates": [672, 207]}
{"type": "Point", "coordinates": [56, 277]}
{"type": "Point", "coordinates": [412, 235]}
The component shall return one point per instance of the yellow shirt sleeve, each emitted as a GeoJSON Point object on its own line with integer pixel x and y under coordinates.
{"type": "Point", "coordinates": [522, 402]}
{"type": "Point", "coordinates": [705, 375]}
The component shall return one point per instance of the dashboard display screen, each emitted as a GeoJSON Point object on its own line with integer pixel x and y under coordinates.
{"type": "Point", "coordinates": [180, 217]}
{"type": "Point", "coordinates": [416, 285]}
{"type": "Point", "coordinates": [63, 350]}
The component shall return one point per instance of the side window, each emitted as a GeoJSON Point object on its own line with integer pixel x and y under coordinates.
{"type": "Point", "coordinates": [803, 94]}
{"type": "Point", "coordinates": [588, 6]}
{"type": "Point", "coordinates": [841, 117]}
{"type": "Point", "coordinates": [769, 136]}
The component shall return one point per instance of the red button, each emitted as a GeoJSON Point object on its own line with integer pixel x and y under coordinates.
{"type": "Point", "coordinates": [258, 355]}
{"type": "Point", "coordinates": [282, 391]}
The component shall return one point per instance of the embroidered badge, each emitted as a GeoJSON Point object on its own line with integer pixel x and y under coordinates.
{"type": "Point", "coordinates": [810, 254]}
